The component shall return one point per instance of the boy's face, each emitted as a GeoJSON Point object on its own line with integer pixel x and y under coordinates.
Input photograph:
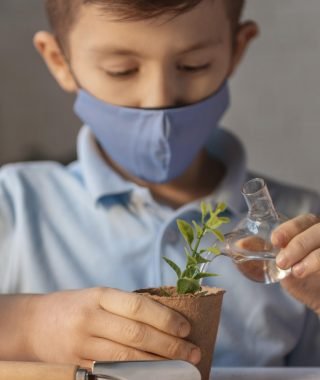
{"type": "Point", "coordinates": [156, 63]}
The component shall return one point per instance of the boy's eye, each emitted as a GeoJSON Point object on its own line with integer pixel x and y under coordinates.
{"type": "Point", "coordinates": [123, 73]}
{"type": "Point", "coordinates": [193, 69]}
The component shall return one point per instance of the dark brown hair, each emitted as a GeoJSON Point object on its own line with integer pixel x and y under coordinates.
{"type": "Point", "coordinates": [63, 13]}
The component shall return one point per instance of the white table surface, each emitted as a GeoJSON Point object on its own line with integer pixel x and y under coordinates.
{"type": "Point", "coordinates": [291, 373]}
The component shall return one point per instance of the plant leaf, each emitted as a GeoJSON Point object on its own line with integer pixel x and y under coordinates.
{"type": "Point", "coordinates": [173, 265]}
{"type": "Point", "coordinates": [190, 271]}
{"type": "Point", "coordinates": [186, 231]}
{"type": "Point", "coordinates": [219, 235]}
{"type": "Point", "coordinates": [224, 219]}
{"type": "Point", "coordinates": [186, 251]}
{"type": "Point", "coordinates": [214, 222]}
{"type": "Point", "coordinates": [198, 228]}
{"type": "Point", "coordinates": [204, 210]}
{"type": "Point", "coordinates": [202, 260]}
{"type": "Point", "coordinates": [188, 285]}
{"type": "Point", "coordinates": [216, 251]}
{"type": "Point", "coordinates": [204, 275]}
{"type": "Point", "coordinates": [191, 260]}
{"type": "Point", "coordinates": [220, 208]}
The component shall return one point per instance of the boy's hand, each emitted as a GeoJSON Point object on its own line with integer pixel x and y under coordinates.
{"type": "Point", "coordinates": [106, 324]}
{"type": "Point", "coordinates": [299, 239]}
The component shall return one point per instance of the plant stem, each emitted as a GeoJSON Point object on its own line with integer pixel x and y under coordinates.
{"type": "Point", "coordinates": [195, 250]}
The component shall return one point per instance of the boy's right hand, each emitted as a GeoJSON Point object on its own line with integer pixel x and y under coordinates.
{"type": "Point", "coordinates": [106, 324]}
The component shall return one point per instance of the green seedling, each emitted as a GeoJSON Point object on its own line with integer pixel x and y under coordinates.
{"type": "Point", "coordinates": [189, 279]}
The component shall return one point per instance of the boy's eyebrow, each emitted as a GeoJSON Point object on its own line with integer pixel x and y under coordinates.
{"type": "Point", "coordinates": [114, 50]}
{"type": "Point", "coordinates": [202, 45]}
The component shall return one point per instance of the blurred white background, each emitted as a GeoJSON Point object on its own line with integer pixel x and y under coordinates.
{"type": "Point", "coordinates": [276, 93]}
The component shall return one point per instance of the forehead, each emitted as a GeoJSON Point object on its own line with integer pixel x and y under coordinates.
{"type": "Point", "coordinates": [96, 28]}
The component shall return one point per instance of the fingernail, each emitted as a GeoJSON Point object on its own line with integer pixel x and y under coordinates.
{"type": "Point", "coordinates": [282, 261]}
{"type": "Point", "coordinates": [195, 356]}
{"type": "Point", "coordinates": [299, 269]}
{"type": "Point", "coordinates": [184, 330]}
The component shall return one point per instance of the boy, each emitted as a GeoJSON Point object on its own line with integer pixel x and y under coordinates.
{"type": "Point", "coordinates": [142, 71]}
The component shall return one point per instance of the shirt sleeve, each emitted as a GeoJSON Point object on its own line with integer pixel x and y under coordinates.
{"type": "Point", "coordinates": [306, 353]}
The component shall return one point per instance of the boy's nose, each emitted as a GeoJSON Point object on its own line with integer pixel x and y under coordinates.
{"type": "Point", "coordinates": [161, 92]}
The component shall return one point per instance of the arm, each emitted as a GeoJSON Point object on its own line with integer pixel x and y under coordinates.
{"type": "Point", "coordinates": [91, 324]}
{"type": "Point", "coordinates": [84, 325]}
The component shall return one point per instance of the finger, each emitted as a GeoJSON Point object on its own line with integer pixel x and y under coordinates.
{"type": "Point", "coordinates": [143, 309]}
{"type": "Point", "coordinates": [309, 265]}
{"type": "Point", "coordinates": [142, 337]}
{"type": "Point", "coordinates": [282, 235]}
{"type": "Point", "coordinates": [98, 349]}
{"type": "Point", "coordinates": [299, 247]}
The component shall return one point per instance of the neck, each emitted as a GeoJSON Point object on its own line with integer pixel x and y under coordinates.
{"type": "Point", "coordinates": [198, 181]}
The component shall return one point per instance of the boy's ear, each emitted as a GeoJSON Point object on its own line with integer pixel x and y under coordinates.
{"type": "Point", "coordinates": [50, 51]}
{"type": "Point", "coordinates": [246, 32]}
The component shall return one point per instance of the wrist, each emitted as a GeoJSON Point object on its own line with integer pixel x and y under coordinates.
{"type": "Point", "coordinates": [33, 326]}
{"type": "Point", "coordinates": [15, 327]}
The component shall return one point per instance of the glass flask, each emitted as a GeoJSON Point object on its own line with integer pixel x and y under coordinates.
{"type": "Point", "coordinates": [249, 245]}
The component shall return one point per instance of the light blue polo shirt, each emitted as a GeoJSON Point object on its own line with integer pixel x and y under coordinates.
{"type": "Point", "coordinates": [82, 225]}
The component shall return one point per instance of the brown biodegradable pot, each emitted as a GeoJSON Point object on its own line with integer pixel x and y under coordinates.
{"type": "Point", "coordinates": [203, 313]}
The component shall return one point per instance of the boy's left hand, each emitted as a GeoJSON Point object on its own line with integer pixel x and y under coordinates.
{"type": "Point", "coordinates": [299, 241]}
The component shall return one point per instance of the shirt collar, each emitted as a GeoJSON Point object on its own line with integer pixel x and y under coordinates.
{"type": "Point", "coordinates": [99, 178]}
{"type": "Point", "coordinates": [101, 181]}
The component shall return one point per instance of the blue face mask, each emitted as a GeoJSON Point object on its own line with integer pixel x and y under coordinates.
{"type": "Point", "coordinates": [153, 145]}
